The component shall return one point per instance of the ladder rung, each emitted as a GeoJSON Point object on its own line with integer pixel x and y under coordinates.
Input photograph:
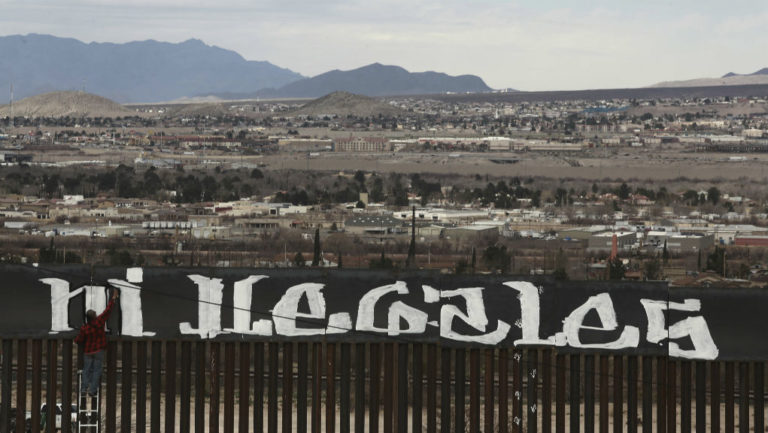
{"type": "Point", "coordinates": [92, 413]}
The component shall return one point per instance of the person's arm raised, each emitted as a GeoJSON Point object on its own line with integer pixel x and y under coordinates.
{"type": "Point", "coordinates": [105, 315]}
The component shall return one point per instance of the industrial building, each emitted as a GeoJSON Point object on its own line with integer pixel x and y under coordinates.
{"type": "Point", "coordinates": [361, 144]}
{"type": "Point", "coordinates": [604, 241]}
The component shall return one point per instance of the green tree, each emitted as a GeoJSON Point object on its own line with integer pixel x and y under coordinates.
{"type": "Point", "coordinates": [561, 266]}
{"type": "Point", "coordinates": [624, 191]}
{"type": "Point", "coordinates": [497, 258]}
{"type": "Point", "coordinates": [536, 198]}
{"type": "Point", "coordinates": [51, 184]}
{"type": "Point", "coordinates": [616, 269]}
{"type": "Point", "coordinates": [399, 193]}
{"type": "Point", "coordinates": [462, 267]}
{"type": "Point", "coordinates": [120, 258]}
{"type": "Point", "coordinates": [152, 182]}
{"type": "Point", "coordinates": [316, 255]}
{"type": "Point", "coordinates": [382, 263]}
{"type": "Point", "coordinates": [713, 194]}
{"type": "Point", "coordinates": [410, 261]}
{"type": "Point", "coordinates": [298, 260]}
{"type": "Point", "coordinates": [744, 271]}
{"type": "Point", "coordinates": [561, 197]}
{"type": "Point", "coordinates": [377, 190]}
{"type": "Point", "coordinates": [716, 261]}
{"type": "Point", "coordinates": [691, 197]}
{"type": "Point", "coordinates": [246, 190]}
{"type": "Point", "coordinates": [57, 256]}
{"type": "Point", "coordinates": [189, 189]}
{"type": "Point", "coordinates": [652, 269]}
{"type": "Point", "coordinates": [473, 263]}
{"type": "Point", "coordinates": [210, 187]}
{"type": "Point", "coordinates": [560, 274]}
{"type": "Point", "coordinates": [47, 255]}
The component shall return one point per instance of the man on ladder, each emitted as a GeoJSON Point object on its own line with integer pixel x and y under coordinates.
{"type": "Point", "coordinates": [93, 338]}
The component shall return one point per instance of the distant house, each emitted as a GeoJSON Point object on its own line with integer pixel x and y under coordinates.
{"type": "Point", "coordinates": [361, 144]}
{"type": "Point", "coordinates": [304, 144]}
{"type": "Point", "coordinates": [374, 225]}
{"type": "Point", "coordinates": [12, 157]}
{"type": "Point", "coordinates": [604, 241]}
{"type": "Point", "coordinates": [751, 241]}
{"type": "Point", "coordinates": [678, 242]}
{"type": "Point", "coordinates": [472, 233]}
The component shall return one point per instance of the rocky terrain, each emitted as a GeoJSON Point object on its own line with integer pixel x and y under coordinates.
{"type": "Point", "coordinates": [345, 103]}
{"type": "Point", "coordinates": [68, 103]}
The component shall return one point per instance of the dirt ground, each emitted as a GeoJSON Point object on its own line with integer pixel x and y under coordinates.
{"type": "Point", "coordinates": [643, 165]}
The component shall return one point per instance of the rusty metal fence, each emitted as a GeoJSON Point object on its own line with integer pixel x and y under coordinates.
{"type": "Point", "coordinates": [210, 386]}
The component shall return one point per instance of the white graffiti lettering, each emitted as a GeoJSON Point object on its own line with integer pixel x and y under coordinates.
{"type": "Point", "coordinates": [209, 297]}
{"type": "Point", "coordinates": [398, 311]}
{"type": "Point", "coordinates": [602, 304]}
{"type": "Point", "coordinates": [95, 299]}
{"type": "Point", "coordinates": [286, 312]}
{"type": "Point", "coordinates": [242, 297]}
{"type": "Point", "coordinates": [530, 311]}
{"type": "Point", "coordinates": [60, 296]}
{"type": "Point", "coordinates": [462, 315]}
{"type": "Point", "coordinates": [130, 303]}
{"type": "Point", "coordinates": [474, 317]}
{"type": "Point", "coordinates": [694, 327]}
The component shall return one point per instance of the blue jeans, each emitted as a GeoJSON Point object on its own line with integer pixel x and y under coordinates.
{"type": "Point", "coordinates": [92, 372]}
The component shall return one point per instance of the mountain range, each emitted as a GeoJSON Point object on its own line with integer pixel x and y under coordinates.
{"type": "Point", "coordinates": [729, 79]}
{"type": "Point", "coordinates": [379, 80]}
{"type": "Point", "coordinates": [143, 71]}
{"type": "Point", "coordinates": [152, 71]}
{"type": "Point", "coordinates": [763, 71]}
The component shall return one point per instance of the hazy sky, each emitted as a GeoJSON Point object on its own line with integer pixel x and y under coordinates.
{"type": "Point", "coordinates": [528, 45]}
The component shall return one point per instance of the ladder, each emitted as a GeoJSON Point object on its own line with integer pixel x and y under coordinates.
{"type": "Point", "coordinates": [88, 420]}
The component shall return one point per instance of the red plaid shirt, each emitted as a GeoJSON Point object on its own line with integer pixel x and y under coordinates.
{"type": "Point", "coordinates": [92, 333]}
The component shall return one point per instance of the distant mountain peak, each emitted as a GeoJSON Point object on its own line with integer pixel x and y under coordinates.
{"type": "Point", "coordinates": [194, 41]}
{"type": "Point", "coordinates": [763, 71]}
{"type": "Point", "coordinates": [140, 71]}
{"type": "Point", "coordinates": [730, 79]}
{"type": "Point", "coordinates": [153, 71]}
{"type": "Point", "coordinates": [377, 79]}
{"type": "Point", "coordinates": [344, 103]}
{"type": "Point", "coordinates": [66, 103]}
